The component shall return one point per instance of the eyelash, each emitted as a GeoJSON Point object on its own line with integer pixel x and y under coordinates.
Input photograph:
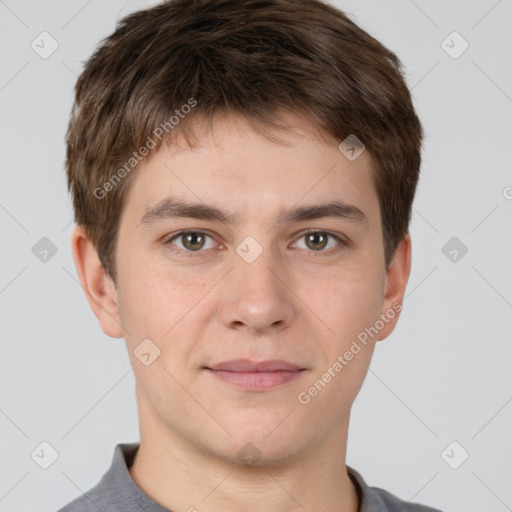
{"type": "Point", "coordinates": [192, 254]}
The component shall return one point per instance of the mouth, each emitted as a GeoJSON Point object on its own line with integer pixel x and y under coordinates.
{"type": "Point", "coordinates": [256, 375]}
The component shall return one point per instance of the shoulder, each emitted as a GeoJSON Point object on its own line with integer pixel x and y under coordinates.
{"type": "Point", "coordinates": [375, 499]}
{"type": "Point", "coordinates": [115, 491]}
{"type": "Point", "coordinates": [391, 503]}
{"type": "Point", "coordinates": [88, 502]}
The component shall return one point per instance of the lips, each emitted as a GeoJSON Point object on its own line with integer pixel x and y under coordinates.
{"type": "Point", "coordinates": [256, 376]}
{"type": "Point", "coordinates": [248, 366]}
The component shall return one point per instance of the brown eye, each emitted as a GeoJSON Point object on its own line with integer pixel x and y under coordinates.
{"type": "Point", "coordinates": [189, 242]}
{"type": "Point", "coordinates": [321, 242]}
{"type": "Point", "coordinates": [316, 241]}
{"type": "Point", "coordinates": [193, 241]}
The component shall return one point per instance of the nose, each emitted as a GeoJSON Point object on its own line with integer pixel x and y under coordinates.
{"type": "Point", "coordinates": [257, 296]}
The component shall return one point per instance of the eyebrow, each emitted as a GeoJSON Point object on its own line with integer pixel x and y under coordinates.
{"type": "Point", "coordinates": [174, 208]}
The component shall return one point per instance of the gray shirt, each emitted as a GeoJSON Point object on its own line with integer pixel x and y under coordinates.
{"type": "Point", "coordinates": [117, 492]}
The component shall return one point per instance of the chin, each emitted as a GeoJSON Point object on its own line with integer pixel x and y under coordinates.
{"type": "Point", "coordinates": [256, 447]}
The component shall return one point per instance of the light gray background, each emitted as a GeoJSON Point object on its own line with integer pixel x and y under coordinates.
{"type": "Point", "coordinates": [444, 374]}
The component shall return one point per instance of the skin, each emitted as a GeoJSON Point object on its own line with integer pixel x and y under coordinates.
{"type": "Point", "coordinates": [294, 302]}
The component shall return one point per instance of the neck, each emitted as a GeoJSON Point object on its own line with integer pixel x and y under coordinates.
{"type": "Point", "coordinates": [180, 475]}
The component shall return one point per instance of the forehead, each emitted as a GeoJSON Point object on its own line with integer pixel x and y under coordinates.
{"type": "Point", "coordinates": [242, 172]}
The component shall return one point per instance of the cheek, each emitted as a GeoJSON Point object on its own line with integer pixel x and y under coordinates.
{"type": "Point", "coordinates": [162, 303]}
{"type": "Point", "coordinates": [349, 307]}
{"type": "Point", "coordinates": [346, 302]}
{"type": "Point", "coordinates": [155, 300]}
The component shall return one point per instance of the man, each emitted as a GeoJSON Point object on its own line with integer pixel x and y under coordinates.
{"type": "Point", "coordinates": [242, 174]}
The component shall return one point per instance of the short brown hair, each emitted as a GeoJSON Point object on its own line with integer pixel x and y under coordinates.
{"type": "Point", "coordinates": [248, 57]}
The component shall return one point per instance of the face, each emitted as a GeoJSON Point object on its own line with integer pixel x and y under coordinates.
{"type": "Point", "coordinates": [264, 277]}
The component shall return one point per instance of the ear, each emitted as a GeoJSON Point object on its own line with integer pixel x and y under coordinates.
{"type": "Point", "coordinates": [395, 284]}
{"type": "Point", "coordinates": [98, 286]}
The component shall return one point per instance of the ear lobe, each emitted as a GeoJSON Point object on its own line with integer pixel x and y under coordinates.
{"type": "Point", "coordinates": [98, 286]}
{"type": "Point", "coordinates": [397, 277]}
